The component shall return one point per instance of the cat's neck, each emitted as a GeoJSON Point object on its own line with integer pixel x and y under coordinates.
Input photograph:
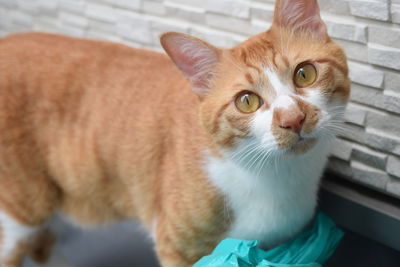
{"type": "Point", "coordinates": [275, 202]}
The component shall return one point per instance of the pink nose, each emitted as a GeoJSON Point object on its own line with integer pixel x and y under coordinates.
{"type": "Point", "coordinates": [293, 122]}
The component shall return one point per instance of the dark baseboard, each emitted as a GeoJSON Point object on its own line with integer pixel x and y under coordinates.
{"type": "Point", "coordinates": [361, 210]}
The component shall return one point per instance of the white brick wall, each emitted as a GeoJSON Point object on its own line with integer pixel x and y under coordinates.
{"type": "Point", "coordinates": [369, 30]}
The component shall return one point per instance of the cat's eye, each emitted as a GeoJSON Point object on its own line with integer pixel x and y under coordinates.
{"type": "Point", "coordinates": [248, 102]}
{"type": "Point", "coordinates": [305, 75]}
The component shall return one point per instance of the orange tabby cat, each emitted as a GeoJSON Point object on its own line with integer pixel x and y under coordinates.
{"type": "Point", "coordinates": [100, 132]}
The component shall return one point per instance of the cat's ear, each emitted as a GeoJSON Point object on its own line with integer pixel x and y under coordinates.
{"type": "Point", "coordinates": [300, 15]}
{"type": "Point", "coordinates": [195, 58]}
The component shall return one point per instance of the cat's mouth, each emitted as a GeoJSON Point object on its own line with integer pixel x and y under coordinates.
{"type": "Point", "coordinates": [303, 145]}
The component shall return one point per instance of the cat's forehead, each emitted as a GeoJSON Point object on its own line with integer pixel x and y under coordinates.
{"type": "Point", "coordinates": [279, 51]}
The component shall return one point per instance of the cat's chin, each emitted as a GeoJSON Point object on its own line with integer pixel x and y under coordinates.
{"type": "Point", "coordinates": [303, 145]}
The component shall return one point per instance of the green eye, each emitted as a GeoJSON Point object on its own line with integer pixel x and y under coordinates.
{"type": "Point", "coordinates": [248, 102]}
{"type": "Point", "coordinates": [305, 75]}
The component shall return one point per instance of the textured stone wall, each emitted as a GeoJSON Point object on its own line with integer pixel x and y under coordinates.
{"type": "Point", "coordinates": [369, 151]}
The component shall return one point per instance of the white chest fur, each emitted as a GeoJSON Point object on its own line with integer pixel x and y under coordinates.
{"type": "Point", "coordinates": [275, 205]}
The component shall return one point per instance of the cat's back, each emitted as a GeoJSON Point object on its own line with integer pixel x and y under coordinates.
{"type": "Point", "coordinates": [58, 91]}
{"type": "Point", "coordinates": [52, 53]}
{"type": "Point", "coordinates": [64, 73]}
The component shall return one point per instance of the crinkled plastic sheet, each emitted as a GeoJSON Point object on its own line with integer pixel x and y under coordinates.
{"type": "Point", "coordinates": [311, 248]}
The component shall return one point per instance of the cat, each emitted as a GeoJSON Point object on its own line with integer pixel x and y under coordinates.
{"type": "Point", "coordinates": [205, 144]}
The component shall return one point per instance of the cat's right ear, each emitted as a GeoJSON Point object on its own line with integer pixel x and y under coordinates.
{"type": "Point", "coordinates": [195, 58]}
{"type": "Point", "coordinates": [300, 15]}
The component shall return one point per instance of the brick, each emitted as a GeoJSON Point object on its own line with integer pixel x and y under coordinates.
{"type": "Point", "coordinates": [340, 7]}
{"type": "Point", "coordinates": [70, 30]}
{"type": "Point", "coordinates": [5, 21]}
{"type": "Point", "coordinates": [127, 4]}
{"type": "Point", "coordinates": [130, 32]}
{"type": "Point", "coordinates": [340, 167]}
{"type": "Point", "coordinates": [393, 166]}
{"type": "Point", "coordinates": [353, 132]}
{"type": "Point", "coordinates": [366, 75]}
{"type": "Point", "coordinates": [193, 3]}
{"type": "Point", "coordinates": [355, 51]}
{"type": "Point", "coordinates": [383, 35]}
{"type": "Point", "coordinates": [264, 12]}
{"type": "Point", "coordinates": [14, 28]}
{"type": "Point", "coordinates": [382, 140]}
{"type": "Point", "coordinates": [384, 122]}
{"type": "Point", "coordinates": [102, 26]}
{"type": "Point", "coordinates": [165, 26]}
{"type": "Point", "coordinates": [229, 7]}
{"type": "Point", "coordinates": [159, 27]}
{"type": "Point", "coordinates": [47, 6]}
{"type": "Point", "coordinates": [391, 100]}
{"type": "Point", "coordinates": [395, 13]}
{"type": "Point", "coordinates": [21, 18]}
{"type": "Point", "coordinates": [76, 6]}
{"type": "Point", "coordinates": [217, 38]}
{"type": "Point", "coordinates": [229, 24]}
{"type": "Point", "coordinates": [155, 8]}
{"type": "Point", "coordinates": [367, 95]}
{"type": "Point", "coordinates": [378, 10]}
{"type": "Point", "coordinates": [186, 13]}
{"type": "Point", "coordinates": [73, 19]}
{"type": "Point", "coordinates": [100, 35]}
{"type": "Point", "coordinates": [258, 26]}
{"type": "Point", "coordinates": [369, 176]}
{"type": "Point", "coordinates": [30, 7]}
{"type": "Point", "coordinates": [341, 149]}
{"type": "Point", "coordinates": [384, 56]}
{"type": "Point", "coordinates": [355, 115]}
{"type": "Point", "coordinates": [46, 24]}
{"type": "Point", "coordinates": [369, 157]}
{"type": "Point", "coordinates": [8, 3]}
{"type": "Point", "coordinates": [347, 31]}
{"type": "Point", "coordinates": [392, 81]}
{"type": "Point", "coordinates": [134, 27]}
{"type": "Point", "coordinates": [393, 187]}
{"type": "Point", "coordinates": [101, 12]}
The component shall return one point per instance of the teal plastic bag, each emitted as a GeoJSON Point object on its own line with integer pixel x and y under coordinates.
{"type": "Point", "coordinates": [310, 248]}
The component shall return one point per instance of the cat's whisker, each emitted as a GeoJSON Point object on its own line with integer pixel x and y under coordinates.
{"type": "Point", "coordinates": [240, 157]}
{"type": "Point", "coordinates": [263, 161]}
{"type": "Point", "coordinates": [252, 161]}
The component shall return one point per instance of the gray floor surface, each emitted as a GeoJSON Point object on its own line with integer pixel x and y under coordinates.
{"type": "Point", "coordinates": [125, 244]}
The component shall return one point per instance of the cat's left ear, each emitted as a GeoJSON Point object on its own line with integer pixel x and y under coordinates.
{"type": "Point", "coordinates": [303, 15]}
{"type": "Point", "coordinates": [195, 58]}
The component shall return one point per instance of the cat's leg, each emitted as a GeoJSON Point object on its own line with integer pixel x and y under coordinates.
{"type": "Point", "coordinates": [44, 253]}
{"type": "Point", "coordinates": [16, 240]}
{"type": "Point", "coordinates": [56, 260]}
{"type": "Point", "coordinates": [170, 256]}
{"type": "Point", "coordinates": [178, 248]}
{"type": "Point", "coordinates": [41, 246]}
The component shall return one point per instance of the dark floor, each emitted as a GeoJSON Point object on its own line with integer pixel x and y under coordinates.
{"type": "Point", "coordinates": [126, 245]}
{"type": "Point", "coordinates": [356, 251]}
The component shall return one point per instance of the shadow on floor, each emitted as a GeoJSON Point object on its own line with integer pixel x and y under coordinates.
{"type": "Point", "coordinates": [127, 245]}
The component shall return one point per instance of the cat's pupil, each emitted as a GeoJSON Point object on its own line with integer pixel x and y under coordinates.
{"type": "Point", "coordinates": [302, 73]}
{"type": "Point", "coordinates": [246, 98]}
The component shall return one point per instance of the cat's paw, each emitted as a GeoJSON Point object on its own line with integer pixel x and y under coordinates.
{"type": "Point", "coordinates": [56, 259]}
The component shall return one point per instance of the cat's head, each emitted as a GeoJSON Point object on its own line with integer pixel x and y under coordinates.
{"type": "Point", "coordinates": [282, 90]}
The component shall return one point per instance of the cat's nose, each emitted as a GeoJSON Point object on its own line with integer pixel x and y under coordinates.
{"type": "Point", "coordinates": [292, 121]}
